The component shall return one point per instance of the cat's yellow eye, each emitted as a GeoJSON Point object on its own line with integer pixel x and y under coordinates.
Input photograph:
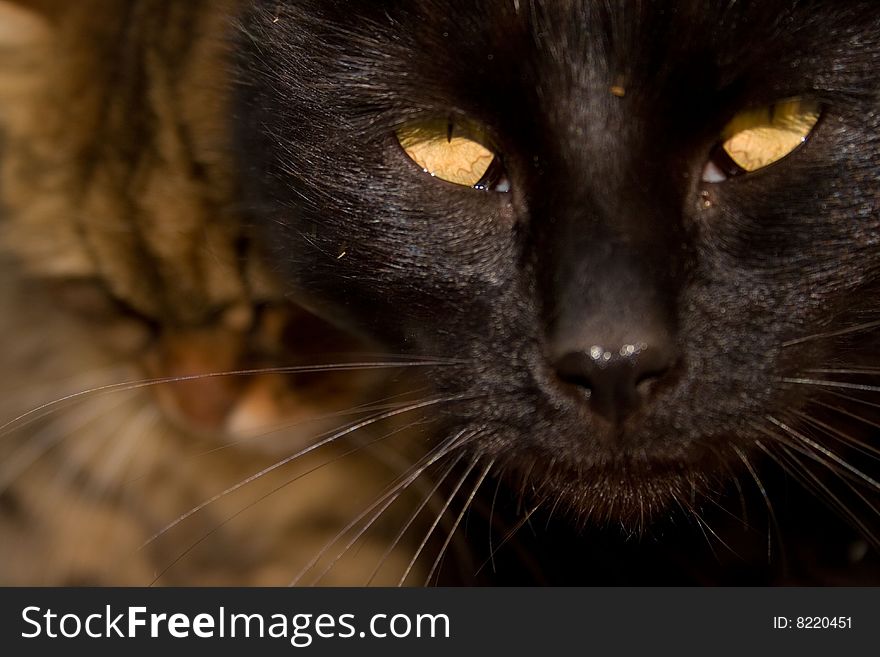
{"type": "Point", "coordinates": [444, 150]}
{"type": "Point", "coordinates": [757, 138]}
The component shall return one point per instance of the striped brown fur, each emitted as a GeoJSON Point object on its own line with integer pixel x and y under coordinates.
{"type": "Point", "coordinates": [125, 256]}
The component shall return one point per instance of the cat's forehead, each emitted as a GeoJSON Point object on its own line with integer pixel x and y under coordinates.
{"type": "Point", "coordinates": [642, 37]}
{"type": "Point", "coordinates": [631, 24]}
{"type": "Point", "coordinates": [547, 45]}
{"type": "Point", "coordinates": [428, 53]}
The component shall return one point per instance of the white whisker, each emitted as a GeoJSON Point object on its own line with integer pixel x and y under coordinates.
{"type": "Point", "coordinates": [830, 497]}
{"type": "Point", "coordinates": [839, 436]}
{"type": "Point", "coordinates": [436, 522]}
{"type": "Point", "coordinates": [262, 498]}
{"type": "Point", "coordinates": [412, 518]}
{"type": "Point", "coordinates": [36, 446]}
{"type": "Point", "coordinates": [464, 509]}
{"type": "Point", "coordinates": [771, 513]}
{"type": "Point", "coordinates": [387, 498]}
{"type": "Point", "coordinates": [822, 383]}
{"type": "Point", "coordinates": [867, 326]}
{"type": "Point", "coordinates": [826, 452]}
{"type": "Point", "coordinates": [122, 447]}
{"type": "Point", "coordinates": [510, 534]}
{"type": "Point", "coordinates": [281, 427]}
{"type": "Point", "coordinates": [853, 399]}
{"type": "Point", "coordinates": [811, 482]}
{"type": "Point", "coordinates": [866, 371]}
{"type": "Point", "coordinates": [333, 436]}
{"type": "Point", "coordinates": [41, 411]}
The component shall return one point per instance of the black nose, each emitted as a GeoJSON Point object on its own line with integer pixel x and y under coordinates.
{"type": "Point", "coordinates": [618, 379]}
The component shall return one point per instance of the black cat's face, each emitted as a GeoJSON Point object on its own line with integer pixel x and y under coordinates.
{"type": "Point", "coordinates": [632, 312]}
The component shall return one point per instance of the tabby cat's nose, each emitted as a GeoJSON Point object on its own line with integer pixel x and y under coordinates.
{"type": "Point", "coordinates": [618, 379]}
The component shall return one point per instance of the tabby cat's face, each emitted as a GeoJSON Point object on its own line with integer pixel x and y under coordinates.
{"type": "Point", "coordinates": [648, 224]}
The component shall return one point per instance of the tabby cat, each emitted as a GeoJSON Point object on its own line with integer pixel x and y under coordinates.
{"type": "Point", "coordinates": [350, 291]}
{"type": "Point", "coordinates": [126, 261]}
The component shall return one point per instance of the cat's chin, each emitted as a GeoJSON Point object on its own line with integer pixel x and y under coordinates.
{"type": "Point", "coordinates": [635, 503]}
{"type": "Point", "coordinates": [631, 490]}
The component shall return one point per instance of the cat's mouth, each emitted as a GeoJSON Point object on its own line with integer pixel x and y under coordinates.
{"type": "Point", "coordinates": [611, 473]}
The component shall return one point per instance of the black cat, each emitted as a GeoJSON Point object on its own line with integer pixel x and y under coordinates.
{"type": "Point", "coordinates": [648, 234]}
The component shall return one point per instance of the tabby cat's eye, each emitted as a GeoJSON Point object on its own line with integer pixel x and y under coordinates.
{"type": "Point", "coordinates": [757, 138]}
{"type": "Point", "coordinates": [450, 152]}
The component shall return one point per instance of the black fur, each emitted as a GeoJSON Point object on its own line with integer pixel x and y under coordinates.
{"type": "Point", "coordinates": [607, 229]}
